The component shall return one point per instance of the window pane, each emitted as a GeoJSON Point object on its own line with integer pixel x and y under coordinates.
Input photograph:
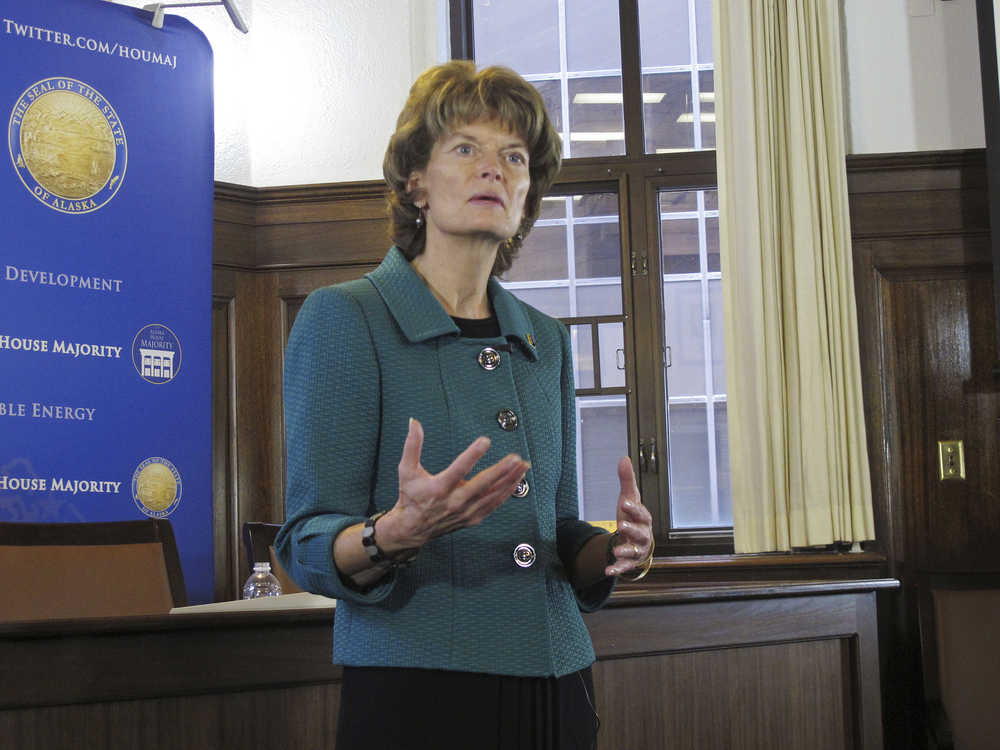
{"type": "Point", "coordinates": [542, 256]}
{"type": "Point", "coordinates": [685, 336]}
{"type": "Point", "coordinates": [611, 340]}
{"type": "Point", "coordinates": [598, 250]}
{"type": "Point", "coordinates": [706, 99]}
{"type": "Point", "coordinates": [552, 96]}
{"type": "Point", "coordinates": [668, 112]}
{"type": "Point", "coordinates": [596, 204]}
{"type": "Point", "coordinates": [664, 33]}
{"type": "Point", "coordinates": [722, 465]}
{"type": "Point", "coordinates": [679, 242]}
{"type": "Point", "coordinates": [599, 299]}
{"type": "Point", "coordinates": [596, 116]}
{"type": "Point", "coordinates": [592, 38]}
{"type": "Point", "coordinates": [583, 355]}
{"type": "Point", "coordinates": [602, 440]}
{"type": "Point", "coordinates": [521, 34]}
{"type": "Point", "coordinates": [551, 301]}
{"type": "Point", "coordinates": [553, 207]}
{"type": "Point", "coordinates": [677, 81]}
{"type": "Point", "coordinates": [718, 344]}
{"type": "Point", "coordinates": [703, 17]}
{"type": "Point", "coordinates": [690, 481]}
{"type": "Point", "coordinates": [695, 376]}
{"type": "Point", "coordinates": [714, 264]}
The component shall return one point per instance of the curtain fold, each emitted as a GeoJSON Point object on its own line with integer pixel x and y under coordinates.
{"type": "Point", "coordinates": [798, 450]}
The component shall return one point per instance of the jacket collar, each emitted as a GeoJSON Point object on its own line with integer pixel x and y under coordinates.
{"type": "Point", "coordinates": [420, 316]}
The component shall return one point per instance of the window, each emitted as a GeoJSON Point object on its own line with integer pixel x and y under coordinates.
{"type": "Point", "coordinates": [626, 251]}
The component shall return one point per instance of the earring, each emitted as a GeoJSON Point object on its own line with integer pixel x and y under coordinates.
{"type": "Point", "coordinates": [420, 218]}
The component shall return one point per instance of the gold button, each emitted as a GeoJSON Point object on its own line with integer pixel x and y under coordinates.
{"type": "Point", "coordinates": [522, 488]}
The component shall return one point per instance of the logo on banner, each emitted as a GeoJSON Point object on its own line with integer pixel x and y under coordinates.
{"type": "Point", "coordinates": [156, 354]}
{"type": "Point", "coordinates": [156, 487]}
{"type": "Point", "coordinates": [67, 145]}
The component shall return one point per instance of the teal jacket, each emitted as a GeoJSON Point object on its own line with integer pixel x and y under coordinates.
{"type": "Point", "coordinates": [364, 357]}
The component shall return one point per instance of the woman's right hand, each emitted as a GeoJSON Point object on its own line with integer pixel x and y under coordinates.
{"type": "Point", "coordinates": [430, 505]}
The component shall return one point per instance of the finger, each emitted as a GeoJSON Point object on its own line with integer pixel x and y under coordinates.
{"type": "Point", "coordinates": [626, 479]}
{"type": "Point", "coordinates": [413, 446]}
{"type": "Point", "coordinates": [481, 504]}
{"type": "Point", "coordinates": [459, 468]}
{"type": "Point", "coordinates": [504, 472]}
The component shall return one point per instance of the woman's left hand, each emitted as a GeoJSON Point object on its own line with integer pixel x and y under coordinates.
{"type": "Point", "coordinates": [635, 525]}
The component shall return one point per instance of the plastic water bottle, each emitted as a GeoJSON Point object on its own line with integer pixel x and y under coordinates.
{"type": "Point", "coordinates": [261, 582]}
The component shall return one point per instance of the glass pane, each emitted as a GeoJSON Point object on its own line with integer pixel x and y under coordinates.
{"type": "Point", "coordinates": [703, 22]}
{"type": "Point", "coordinates": [595, 204]}
{"type": "Point", "coordinates": [611, 338]}
{"type": "Point", "coordinates": [553, 207]}
{"type": "Point", "coordinates": [599, 299]}
{"type": "Point", "coordinates": [542, 256]}
{"type": "Point", "coordinates": [596, 116]}
{"type": "Point", "coordinates": [551, 301]}
{"type": "Point", "coordinates": [583, 355]}
{"type": "Point", "coordinates": [718, 344]}
{"type": "Point", "coordinates": [706, 100]}
{"type": "Point", "coordinates": [668, 112]}
{"type": "Point", "coordinates": [686, 338]}
{"type": "Point", "coordinates": [679, 243]}
{"type": "Point", "coordinates": [521, 34]}
{"type": "Point", "coordinates": [551, 93]}
{"type": "Point", "coordinates": [593, 41]}
{"type": "Point", "coordinates": [693, 331]}
{"type": "Point", "coordinates": [664, 32]}
{"type": "Point", "coordinates": [722, 465]}
{"type": "Point", "coordinates": [603, 439]}
{"type": "Point", "coordinates": [690, 482]}
{"type": "Point", "coordinates": [598, 250]}
{"type": "Point", "coordinates": [712, 244]}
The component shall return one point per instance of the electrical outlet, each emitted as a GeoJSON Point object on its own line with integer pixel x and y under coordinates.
{"type": "Point", "coordinates": [951, 459]}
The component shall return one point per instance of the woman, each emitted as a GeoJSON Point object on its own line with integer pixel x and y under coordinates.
{"type": "Point", "coordinates": [431, 450]}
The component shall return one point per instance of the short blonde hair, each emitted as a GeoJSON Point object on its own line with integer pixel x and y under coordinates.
{"type": "Point", "coordinates": [451, 95]}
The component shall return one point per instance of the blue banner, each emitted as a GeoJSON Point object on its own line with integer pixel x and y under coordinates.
{"type": "Point", "coordinates": [105, 271]}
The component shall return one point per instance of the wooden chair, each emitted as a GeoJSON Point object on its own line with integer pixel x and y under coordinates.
{"type": "Point", "coordinates": [960, 650]}
{"type": "Point", "coordinates": [258, 540]}
{"type": "Point", "coordinates": [70, 570]}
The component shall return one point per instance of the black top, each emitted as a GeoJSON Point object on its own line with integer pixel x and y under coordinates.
{"type": "Point", "coordinates": [478, 328]}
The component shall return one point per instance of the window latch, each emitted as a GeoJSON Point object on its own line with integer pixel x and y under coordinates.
{"type": "Point", "coordinates": [640, 265]}
{"type": "Point", "coordinates": [648, 462]}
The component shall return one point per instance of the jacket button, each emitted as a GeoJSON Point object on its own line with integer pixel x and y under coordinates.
{"type": "Point", "coordinates": [522, 488]}
{"type": "Point", "coordinates": [507, 420]}
{"type": "Point", "coordinates": [489, 358]}
{"type": "Point", "coordinates": [524, 555]}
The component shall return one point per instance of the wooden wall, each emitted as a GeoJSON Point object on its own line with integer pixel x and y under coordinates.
{"type": "Point", "coordinates": [924, 292]}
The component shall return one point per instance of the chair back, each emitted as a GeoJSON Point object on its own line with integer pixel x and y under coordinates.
{"type": "Point", "coordinates": [71, 570]}
{"type": "Point", "coordinates": [960, 643]}
{"type": "Point", "coordinates": [258, 540]}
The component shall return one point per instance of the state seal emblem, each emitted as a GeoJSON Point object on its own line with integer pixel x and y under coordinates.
{"type": "Point", "coordinates": [67, 145]}
{"type": "Point", "coordinates": [156, 354]}
{"type": "Point", "coordinates": [156, 487]}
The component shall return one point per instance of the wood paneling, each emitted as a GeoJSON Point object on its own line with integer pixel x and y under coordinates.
{"type": "Point", "coordinates": [924, 290]}
{"type": "Point", "coordinates": [689, 668]}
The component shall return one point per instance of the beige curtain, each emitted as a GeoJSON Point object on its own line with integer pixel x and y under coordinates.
{"type": "Point", "coordinates": [796, 424]}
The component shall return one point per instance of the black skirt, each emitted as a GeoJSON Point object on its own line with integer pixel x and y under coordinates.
{"type": "Point", "coordinates": [412, 709]}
